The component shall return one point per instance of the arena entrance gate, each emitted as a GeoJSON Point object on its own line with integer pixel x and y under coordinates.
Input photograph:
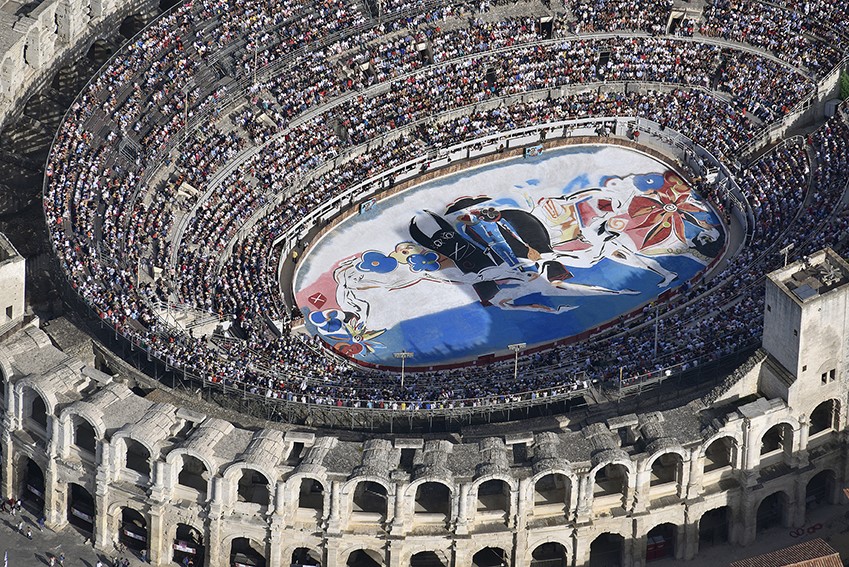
{"type": "Point", "coordinates": [188, 544]}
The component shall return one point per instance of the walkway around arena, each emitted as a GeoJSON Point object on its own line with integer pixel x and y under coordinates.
{"type": "Point", "coordinates": [22, 552]}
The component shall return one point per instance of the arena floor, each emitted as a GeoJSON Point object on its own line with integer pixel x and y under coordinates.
{"type": "Point", "coordinates": [528, 250]}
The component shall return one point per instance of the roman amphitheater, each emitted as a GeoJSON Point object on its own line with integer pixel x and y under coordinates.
{"type": "Point", "coordinates": [536, 283]}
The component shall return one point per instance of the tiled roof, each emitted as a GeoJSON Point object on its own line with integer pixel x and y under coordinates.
{"type": "Point", "coordinates": [814, 553]}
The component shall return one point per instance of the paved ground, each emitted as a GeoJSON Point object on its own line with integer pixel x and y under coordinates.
{"type": "Point", "coordinates": [36, 553]}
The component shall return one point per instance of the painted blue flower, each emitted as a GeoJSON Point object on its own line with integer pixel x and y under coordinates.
{"type": "Point", "coordinates": [376, 262]}
{"type": "Point", "coordinates": [427, 262]}
{"type": "Point", "coordinates": [648, 181]}
{"type": "Point", "coordinates": [327, 321]}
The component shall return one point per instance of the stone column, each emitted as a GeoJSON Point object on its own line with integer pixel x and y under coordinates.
{"type": "Point", "coordinates": [335, 523]}
{"type": "Point", "coordinates": [462, 525]}
{"type": "Point", "coordinates": [102, 480]}
{"type": "Point", "coordinates": [276, 542]}
{"type": "Point", "coordinates": [55, 497]}
{"type": "Point", "coordinates": [159, 544]}
{"type": "Point", "coordinates": [637, 495]}
{"type": "Point", "coordinates": [696, 475]}
{"type": "Point", "coordinates": [8, 464]}
{"type": "Point", "coordinates": [401, 512]}
{"type": "Point", "coordinates": [798, 506]}
{"type": "Point", "coordinates": [800, 446]}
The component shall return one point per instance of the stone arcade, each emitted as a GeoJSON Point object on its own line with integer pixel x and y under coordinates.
{"type": "Point", "coordinates": [754, 452]}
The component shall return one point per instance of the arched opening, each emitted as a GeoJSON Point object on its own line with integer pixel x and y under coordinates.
{"type": "Point", "coordinates": [133, 529]}
{"type": "Point", "coordinates": [427, 559]}
{"type": "Point", "coordinates": [364, 558]}
{"type": "Point", "coordinates": [99, 53]}
{"type": "Point", "coordinates": [551, 495]}
{"type": "Point", "coordinates": [131, 25]}
{"type": "Point", "coordinates": [33, 486]}
{"type": "Point", "coordinates": [370, 498]}
{"type": "Point", "coordinates": [85, 438]}
{"type": "Point", "coordinates": [311, 495]}
{"type": "Point", "coordinates": [825, 417]}
{"type": "Point", "coordinates": [138, 458]}
{"type": "Point", "coordinates": [253, 488]}
{"type": "Point", "coordinates": [719, 454]}
{"type": "Point", "coordinates": [245, 552]}
{"type": "Point", "coordinates": [193, 474]}
{"type": "Point", "coordinates": [165, 5]}
{"type": "Point", "coordinates": [611, 482]}
{"type": "Point", "coordinates": [551, 554]}
{"type": "Point", "coordinates": [37, 409]}
{"type": "Point", "coordinates": [666, 469]}
{"type": "Point", "coordinates": [306, 557]}
{"type": "Point", "coordinates": [188, 544]}
{"type": "Point", "coordinates": [432, 499]}
{"type": "Point", "coordinates": [777, 439]}
{"type": "Point", "coordinates": [81, 509]}
{"type": "Point", "coordinates": [606, 550]}
{"type": "Point", "coordinates": [493, 498]}
{"type": "Point", "coordinates": [819, 490]}
{"type": "Point", "coordinates": [660, 542]}
{"type": "Point", "coordinates": [490, 557]}
{"type": "Point", "coordinates": [771, 511]}
{"type": "Point", "coordinates": [713, 527]}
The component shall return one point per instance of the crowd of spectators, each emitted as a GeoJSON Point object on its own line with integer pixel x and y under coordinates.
{"type": "Point", "coordinates": [354, 96]}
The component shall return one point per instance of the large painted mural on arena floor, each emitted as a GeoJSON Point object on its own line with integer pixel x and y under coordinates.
{"type": "Point", "coordinates": [528, 250]}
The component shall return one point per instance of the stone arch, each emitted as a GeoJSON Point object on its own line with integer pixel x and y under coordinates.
{"type": "Point", "coordinates": [188, 541]}
{"type": "Point", "coordinates": [245, 551]}
{"type": "Point", "coordinates": [428, 559]}
{"type": "Point", "coordinates": [133, 528]}
{"type": "Point", "coordinates": [177, 460]}
{"type": "Point", "coordinates": [607, 550]}
{"type": "Point", "coordinates": [133, 454]}
{"type": "Point", "coordinates": [492, 497]}
{"type": "Point", "coordinates": [31, 484]}
{"type": "Point", "coordinates": [131, 25]}
{"type": "Point", "coordinates": [715, 526]}
{"type": "Point", "coordinates": [551, 492]}
{"type": "Point", "coordinates": [362, 556]}
{"type": "Point", "coordinates": [611, 477]}
{"type": "Point", "coordinates": [666, 467]}
{"type": "Point", "coordinates": [721, 451]}
{"type": "Point", "coordinates": [552, 540]}
{"type": "Point", "coordinates": [825, 417]}
{"type": "Point", "coordinates": [661, 540]}
{"type": "Point", "coordinates": [776, 440]}
{"type": "Point", "coordinates": [431, 497]}
{"type": "Point", "coordinates": [819, 489]}
{"type": "Point", "coordinates": [32, 393]}
{"type": "Point", "coordinates": [550, 554]}
{"type": "Point", "coordinates": [368, 495]}
{"type": "Point", "coordinates": [772, 510]}
{"type": "Point", "coordinates": [491, 557]}
{"type": "Point", "coordinates": [81, 509]}
{"type": "Point", "coordinates": [306, 556]}
{"type": "Point", "coordinates": [83, 433]}
{"type": "Point", "coordinates": [252, 484]}
{"type": "Point", "coordinates": [311, 493]}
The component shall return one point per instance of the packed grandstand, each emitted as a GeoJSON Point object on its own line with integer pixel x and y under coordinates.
{"type": "Point", "coordinates": [200, 154]}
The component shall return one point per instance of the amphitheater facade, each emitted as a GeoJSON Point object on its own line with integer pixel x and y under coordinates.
{"type": "Point", "coordinates": [757, 451]}
{"type": "Point", "coordinates": [169, 473]}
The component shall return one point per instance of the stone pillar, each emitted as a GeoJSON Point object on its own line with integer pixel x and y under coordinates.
{"type": "Point", "coordinates": [55, 497]}
{"type": "Point", "coordinates": [635, 553]}
{"type": "Point", "coordinates": [637, 495]}
{"type": "Point", "coordinates": [400, 514]}
{"type": "Point", "coordinates": [751, 447]}
{"type": "Point", "coordinates": [696, 475]}
{"type": "Point", "coordinates": [800, 446]}
{"type": "Point", "coordinates": [798, 506]}
{"type": "Point", "coordinates": [214, 527]}
{"type": "Point", "coordinates": [394, 552]}
{"type": "Point", "coordinates": [684, 480]}
{"type": "Point", "coordinates": [749, 516]}
{"type": "Point", "coordinates": [159, 543]}
{"type": "Point", "coordinates": [8, 463]}
{"type": "Point", "coordinates": [276, 543]}
{"type": "Point", "coordinates": [690, 541]}
{"type": "Point", "coordinates": [513, 512]}
{"type": "Point", "coordinates": [102, 481]}
{"type": "Point", "coordinates": [334, 523]}
{"type": "Point", "coordinates": [581, 547]}
{"type": "Point", "coordinates": [462, 525]}
{"type": "Point", "coordinates": [331, 547]}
